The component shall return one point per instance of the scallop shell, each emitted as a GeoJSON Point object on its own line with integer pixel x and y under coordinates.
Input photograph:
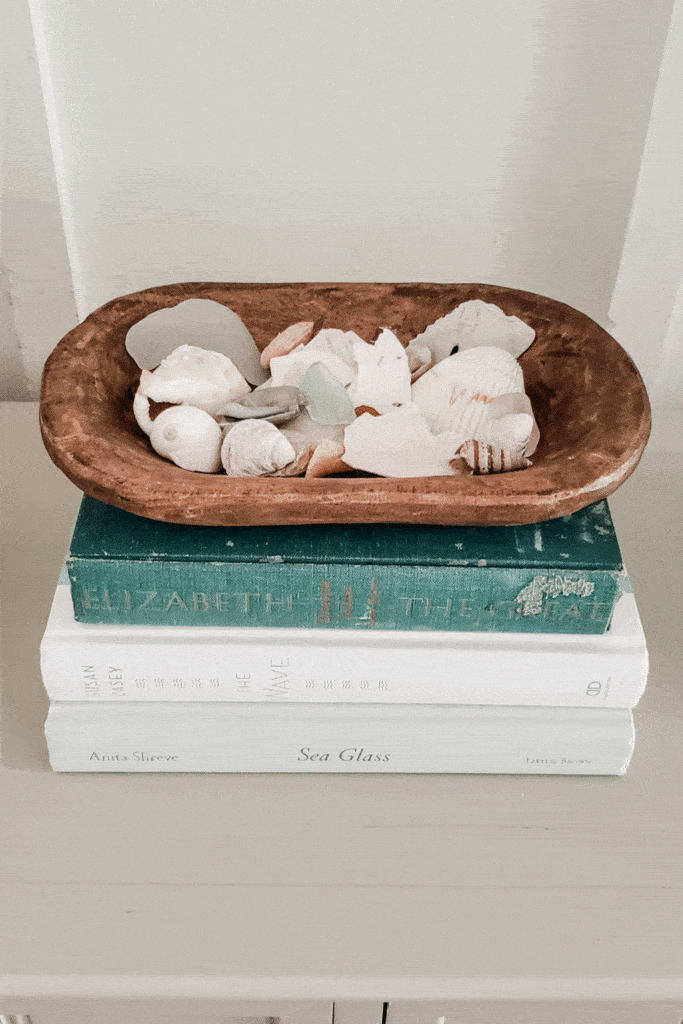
{"type": "Point", "coordinates": [473, 324]}
{"type": "Point", "coordinates": [455, 395]}
{"type": "Point", "coordinates": [487, 458]}
{"type": "Point", "coordinates": [195, 376]}
{"type": "Point", "coordinates": [189, 437]}
{"type": "Point", "coordinates": [255, 448]}
{"type": "Point", "coordinates": [383, 379]}
{"type": "Point", "coordinates": [286, 341]}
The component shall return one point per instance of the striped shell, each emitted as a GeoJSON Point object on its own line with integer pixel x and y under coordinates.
{"type": "Point", "coordinates": [488, 458]}
{"type": "Point", "coordinates": [456, 394]}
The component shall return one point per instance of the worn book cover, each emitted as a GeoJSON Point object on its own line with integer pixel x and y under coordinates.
{"type": "Point", "coordinates": [559, 576]}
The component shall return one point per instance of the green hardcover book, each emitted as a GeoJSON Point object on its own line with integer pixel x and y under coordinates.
{"type": "Point", "coordinates": [559, 576]}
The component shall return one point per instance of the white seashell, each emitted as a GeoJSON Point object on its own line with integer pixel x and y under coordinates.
{"type": "Point", "coordinates": [189, 437]}
{"type": "Point", "coordinates": [337, 343]}
{"type": "Point", "coordinates": [291, 369]}
{"type": "Point", "coordinates": [141, 407]}
{"type": "Point", "coordinates": [476, 323]}
{"type": "Point", "coordinates": [195, 376]}
{"type": "Point", "coordinates": [456, 393]}
{"type": "Point", "coordinates": [399, 444]}
{"type": "Point", "coordinates": [420, 360]}
{"type": "Point", "coordinates": [518, 402]}
{"type": "Point", "coordinates": [383, 380]}
{"type": "Point", "coordinates": [485, 458]}
{"type": "Point", "coordinates": [255, 448]}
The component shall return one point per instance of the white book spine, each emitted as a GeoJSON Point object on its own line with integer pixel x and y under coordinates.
{"type": "Point", "coordinates": [223, 737]}
{"type": "Point", "coordinates": [138, 663]}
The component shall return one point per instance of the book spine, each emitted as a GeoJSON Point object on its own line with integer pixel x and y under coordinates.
{"type": "Point", "coordinates": [343, 596]}
{"type": "Point", "coordinates": [177, 738]}
{"type": "Point", "coordinates": [100, 671]}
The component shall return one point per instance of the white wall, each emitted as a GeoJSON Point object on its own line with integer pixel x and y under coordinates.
{"type": "Point", "coordinates": [36, 293]}
{"type": "Point", "coordinates": [301, 140]}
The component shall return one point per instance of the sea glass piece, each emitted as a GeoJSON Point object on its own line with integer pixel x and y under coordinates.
{"type": "Point", "coordinates": [326, 400]}
{"type": "Point", "coordinates": [203, 323]}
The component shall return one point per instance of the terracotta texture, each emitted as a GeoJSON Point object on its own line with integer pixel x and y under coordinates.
{"type": "Point", "coordinates": [589, 400]}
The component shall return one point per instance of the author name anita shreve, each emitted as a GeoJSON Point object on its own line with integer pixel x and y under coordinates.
{"type": "Point", "coordinates": [137, 755]}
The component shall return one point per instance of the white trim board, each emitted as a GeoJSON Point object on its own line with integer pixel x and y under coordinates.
{"type": "Point", "coordinates": [647, 297]}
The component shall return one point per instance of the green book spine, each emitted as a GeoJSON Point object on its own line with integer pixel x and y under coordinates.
{"type": "Point", "coordinates": [563, 576]}
{"type": "Point", "coordinates": [343, 596]}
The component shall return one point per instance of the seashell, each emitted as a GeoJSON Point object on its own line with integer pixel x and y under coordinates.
{"type": "Point", "coordinates": [487, 458]}
{"type": "Point", "coordinates": [195, 376]}
{"type": "Point", "coordinates": [325, 399]}
{"type": "Point", "coordinates": [327, 458]}
{"type": "Point", "coordinates": [517, 403]}
{"type": "Point", "coordinates": [203, 323]}
{"type": "Point", "coordinates": [420, 360]}
{"type": "Point", "coordinates": [473, 324]}
{"type": "Point", "coordinates": [383, 379]}
{"type": "Point", "coordinates": [337, 343]}
{"type": "Point", "coordinates": [141, 409]}
{"type": "Point", "coordinates": [286, 341]}
{"type": "Point", "coordinates": [291, 369]}
{"type": "Point", "coordinates": [255, 448]}
{"type": "Point", "coordinates": [189, 437]}
{"type": "Point", "coordinates": [399, 444]}
{"type": "Point", "coordinates": [456, 393]}
{"type": "Point", "coordinates": [302, 456]}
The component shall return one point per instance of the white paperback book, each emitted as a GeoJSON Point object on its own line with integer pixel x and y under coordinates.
{"type": "Point", "coordinates": [223, 736]}
{"type": "Point", "coordinates": [113, 663]}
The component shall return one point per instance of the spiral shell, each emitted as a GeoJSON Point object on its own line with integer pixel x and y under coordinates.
{"type": "Point", "coordinates": [189, 437]}
{"type": "Point", "coordinates": [487, 458]}
{"type": "Point", "coordinates": [255, 448]}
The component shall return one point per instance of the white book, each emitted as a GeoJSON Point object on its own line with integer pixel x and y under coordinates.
{"type": "Point", "coordinates": [428, 738]}
{"type": "Point", "coordinates": [80, 661]}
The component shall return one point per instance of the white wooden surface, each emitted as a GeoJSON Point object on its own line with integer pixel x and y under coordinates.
{"type": "Point", "coordinates": [465, 889]}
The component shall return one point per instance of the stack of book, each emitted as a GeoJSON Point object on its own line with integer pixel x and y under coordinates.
{"type": "Point", "coordinates": [343, 648]}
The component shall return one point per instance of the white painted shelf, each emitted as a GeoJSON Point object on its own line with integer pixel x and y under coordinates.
{"type": "Point", "coordinates": [469, 898]}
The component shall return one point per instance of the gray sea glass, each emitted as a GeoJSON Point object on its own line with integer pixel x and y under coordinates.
{"type": "Point", "coordinates": [327, 401]}
{"type": "Point", "coordinates": [201, 322]}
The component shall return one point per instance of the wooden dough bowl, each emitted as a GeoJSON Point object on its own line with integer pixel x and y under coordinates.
{"type": "Point", "coordinates": [589, 399]}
